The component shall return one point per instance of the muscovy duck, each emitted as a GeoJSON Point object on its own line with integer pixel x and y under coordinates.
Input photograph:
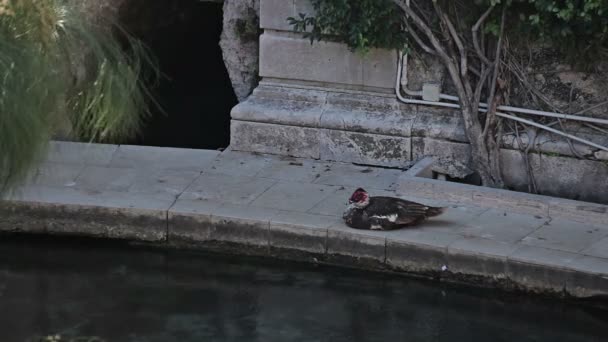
{"type": "Point", "coordinates": [385, 213]}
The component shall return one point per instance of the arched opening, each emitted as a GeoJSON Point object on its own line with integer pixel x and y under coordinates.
{"type": "Point", "coordinates": [195, 90]}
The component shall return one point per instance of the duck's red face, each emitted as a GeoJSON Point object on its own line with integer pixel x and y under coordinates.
{"type": "Point", "coordinates": [359, 198]}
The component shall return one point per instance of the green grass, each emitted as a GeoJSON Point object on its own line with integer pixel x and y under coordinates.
{"type": "Point", "coordinates": [39, 92]}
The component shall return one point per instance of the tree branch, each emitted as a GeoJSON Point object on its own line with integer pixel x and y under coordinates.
{"type": "Point", "coordinates": [461, 49]}
{"type": "Point", "coordinates": [474, 31]}
{"type": "Point", "coordinates": [418, 40]}
{"type": "Point", "coordinates": [491, 115]}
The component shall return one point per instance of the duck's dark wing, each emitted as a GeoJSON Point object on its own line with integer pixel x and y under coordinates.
{"type": "Point", "coordinates": [399, 211]}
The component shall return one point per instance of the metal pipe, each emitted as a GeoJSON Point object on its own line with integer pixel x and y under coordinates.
{"type": "Point", "coordinates": [507, 116]}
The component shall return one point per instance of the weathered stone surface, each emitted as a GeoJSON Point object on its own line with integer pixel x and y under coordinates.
{"type": "Point", "coordinates": [84, 220]}
{"type": "Point", "coordinates": [464, 242]}
{"type": "Point", "coordinates": [598, 249]}
{"type": "Point", "coordinates": [583, 180]}
{"type": "Point", "coordinates": [415, 258]}
{"type": "Point", "coordinates": [281, 112]}
{"type": "Point", "coordinates": [147, 157]}
{"type": "Point", "coordinates": [434, 189]}
{"type": "Point", "coordinates": [541, 268]}
{"type": "Point", "coordinates": [358, 176]}
{"type": "Point", "coordinates": [367, 113]}
{"type": "Point", "coordinates": [227, 189]}
{"type": "Point", "coordinates": [190, 221]}
{"type": "Point", "coordinates": [241, 224]}
{"type": "Point", "coordinates": [345, 241]}
{"type": "Point", "coordinates": [293, 196]}
{"type": "Point", "coordinates": [474, 255]}
{"type": "Point", "coordinates": [439, 124]}
{"type": "Point", "coordinates": [450, 158]}
{"type": "Point", "coordinates": [303, 232]}
{"type": "Point", "coordinates": [292, 170]}
{"type": "Point", "coordinates": [565, 235]}
{"type": "Point", "coordinates": [578, 211]}
{"type": "Point", "coordinates": [240, 45]}
{"type": "Point", "coordinates": [235, 163]}
{"type": "Point", "coordinates": [292, 57]}
{"type": "Point", "coordinates": [274, 139]}
{"type": "Point", "coordinates": [429, 70]}
{"type": "Point", "coordinates": [80, 153]}
{"type": "Point", "coordinates": [511, 200]}
{"type": "Point", "coordinates": [500, 225]}
{"type": "Point", "coordinates": [55, 174]}
{"type": "Point", "coordinates": [418, 250]}
{"type": "Point", "coordinates": [364, 148]}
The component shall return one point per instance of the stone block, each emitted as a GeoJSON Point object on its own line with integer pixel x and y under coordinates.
{"type": "Point", "coordinates": [540, 268]}
{"type": "Point", "coordinates": [293, 57]}
{"type": "Point", "coordinates": [418, 250]}
{"type": "Point", "coordinates": [190, 221]}
{"type": "Point", "coordinates": [440, 124]}
{"type": "Point", "coordinates": [274, 14]}
{"type": "Point", "coordinates": [281, 112]}
{"type": "Point", "coordinates": [478, 256]}
{"type": "Point", "coordinates": [84, 220]}
{"type": "Point", "coordinates": [440, 149]}
{"type": "Point", "coordinates": [293, 196]}
{"type": "Point", "coordinates": [364, 148]}
{"type": "Point", "coordinates": [369, 113]}
{"type": "Point", "coordinates": [356, 244]}
{"type": "Point", "coordinates": [415, 258]}
{"type": "Point", "coordinates": [379, 67]}
{"type": "Point", "coordinates": [242, 225]}
{"type": "Point", "coordinates": [583, 180]}
{"type": "Point", "coordinates": [275, 139]}
{"type": "Point", "coordinates": [302, 232]}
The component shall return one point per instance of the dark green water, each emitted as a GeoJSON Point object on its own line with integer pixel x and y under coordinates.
{"type": "Point", "coordinates": [81, 288]}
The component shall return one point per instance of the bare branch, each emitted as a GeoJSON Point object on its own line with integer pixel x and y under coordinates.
{"type": "Point", "coordinates": [475, 29]}
{"type": "Point", "coordinates": [418, 40]}
{"type": "Point", "coordinates": [497, 61]}
{"type": "Point", "coordinates": [461, 49]}
{"type": "Point", "coordinates": [424, 28]}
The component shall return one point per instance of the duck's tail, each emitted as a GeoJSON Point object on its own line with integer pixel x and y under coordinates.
{"type": "Point", "coordinates": [435, 211]}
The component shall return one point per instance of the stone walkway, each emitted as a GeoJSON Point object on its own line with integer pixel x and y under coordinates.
{"type": "Point", "coordinates": [281, 206]}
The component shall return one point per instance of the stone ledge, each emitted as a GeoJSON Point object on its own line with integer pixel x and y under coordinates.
{"type": "Point", "coordinates": [202, 223]}
{"type": "Point", "coordinates": [476, 245]}
{"type": "Point", "coordinates": [504, 200]}
{"type": "Point", "coordinates": [83, 220]}
{"type": "Point", "coordinates": [324, 144]}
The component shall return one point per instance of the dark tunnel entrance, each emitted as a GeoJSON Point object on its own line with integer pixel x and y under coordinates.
{"type": "Point", "coordinates": [195, 91]}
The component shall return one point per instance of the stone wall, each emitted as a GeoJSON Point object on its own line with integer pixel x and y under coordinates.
{"type": "Point", "coordinates": [323, 101]}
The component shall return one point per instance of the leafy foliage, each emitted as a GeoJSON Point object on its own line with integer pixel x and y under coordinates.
{"type": "Point", "coordinates": [39, 92]}
{"type": "Point", "coordinates": [579, 27]}
{"type": "Point", "coordinates": [361, 24]}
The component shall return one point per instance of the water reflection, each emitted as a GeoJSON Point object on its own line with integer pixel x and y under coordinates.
{"type": "Point", "coordinates": [76, 288]}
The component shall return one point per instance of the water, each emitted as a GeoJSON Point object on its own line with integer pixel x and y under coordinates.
{"type": "Point", "coordinates": [83, 288]}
